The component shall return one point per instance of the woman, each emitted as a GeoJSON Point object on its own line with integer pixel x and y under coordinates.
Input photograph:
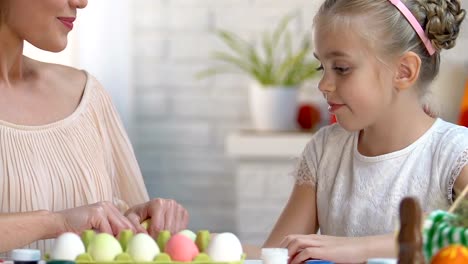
{"type": "Point", "coordinates": [62, 144]}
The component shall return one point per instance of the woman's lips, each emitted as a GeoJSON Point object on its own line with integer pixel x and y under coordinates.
{"type": "Point", "coordinates": [67, 21]}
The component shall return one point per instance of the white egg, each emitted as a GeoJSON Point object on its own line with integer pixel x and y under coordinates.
{"type": "Point", "coordinates": [67, 247]}
{"type": "Point", "coordinates": [225, 247]}
{"type": "Point", "coordinates": [142, 247]}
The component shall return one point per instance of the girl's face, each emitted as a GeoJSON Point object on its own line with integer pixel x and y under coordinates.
{"type": "Point", "coordinates": [43, 23]}
{"type": "Point", "coordinates": [357, 87]}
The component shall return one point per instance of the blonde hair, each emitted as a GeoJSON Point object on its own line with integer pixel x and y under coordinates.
{"type": "Point", "coordinates": [389, 32]}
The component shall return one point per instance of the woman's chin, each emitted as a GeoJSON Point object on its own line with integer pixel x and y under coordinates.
{"type": "Point", "coordinates": [55, 47]}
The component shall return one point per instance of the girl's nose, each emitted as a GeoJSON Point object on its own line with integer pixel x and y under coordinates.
{"type": "Point", "coordinates": [326, 85]}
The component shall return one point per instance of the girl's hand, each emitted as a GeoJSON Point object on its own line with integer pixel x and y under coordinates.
{"type": "Point", "coordinates": [336, 249]}
{"type": "Point", "coordinates": [164, 214]}
{"type": "Point", "coordinates": [102, 216]}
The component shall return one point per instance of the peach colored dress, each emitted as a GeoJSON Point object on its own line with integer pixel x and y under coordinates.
{"type": "Point", "coordinates": [82, 159]}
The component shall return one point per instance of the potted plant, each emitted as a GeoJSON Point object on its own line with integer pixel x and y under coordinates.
{"type": "Point", "coordinates": [277, 69]}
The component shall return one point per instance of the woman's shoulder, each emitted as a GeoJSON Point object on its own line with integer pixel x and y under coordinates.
{"type": "Point", "coordinates": [69, 81]}
{"type": "Point", "coordinates": [75, 82]}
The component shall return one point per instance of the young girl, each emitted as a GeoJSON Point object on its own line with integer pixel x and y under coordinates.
{"type": "Point", "coordinates": [62, 144]}
{"type": "Point", "coordinates": [378, 58]}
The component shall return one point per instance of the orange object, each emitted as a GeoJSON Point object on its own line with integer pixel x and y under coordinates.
{"type": "Point", "coordinates": [454, 254]}
{"type": "Point", "coordinates": [332, 119]}
{"type": "Point", "coordinates": [308, 116]}
{"type": "Point", "coordinates": [463, 120]}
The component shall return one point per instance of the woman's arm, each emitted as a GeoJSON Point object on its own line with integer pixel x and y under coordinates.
{"type": "Point", "coordinates": [20, 229]}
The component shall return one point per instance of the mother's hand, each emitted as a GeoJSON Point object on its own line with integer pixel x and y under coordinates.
{"type": "Point", "coordinates": [336, 249]}
{"type": "Point", "coordinates": [165, 215]}
{"type": "Point", "coordinates": [101, 216]}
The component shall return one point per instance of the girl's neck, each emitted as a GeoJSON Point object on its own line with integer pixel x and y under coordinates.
{"type": "Point", "coordinates": [395, 132]}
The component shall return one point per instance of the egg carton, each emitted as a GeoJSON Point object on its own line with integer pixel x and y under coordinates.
{"type": "Point", "coordinates": [162, 258]}
{"type": "Point", "coordinates": [202, 240]}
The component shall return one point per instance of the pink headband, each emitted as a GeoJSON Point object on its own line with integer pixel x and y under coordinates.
{"type": "Point", "coordinates": [415, 24]}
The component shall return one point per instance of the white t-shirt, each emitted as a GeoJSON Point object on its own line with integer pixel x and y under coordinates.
{"type": "Point", "coordinates": [360, 196]}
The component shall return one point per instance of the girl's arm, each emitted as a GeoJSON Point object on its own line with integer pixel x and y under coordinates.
{"type": "Point", "coordinates": [298, 223]}
{"type": "Point", "coordinates": [298, 217]}
{"type": "Point", "coordinates": [462, 181]}
{"type": "Point", "coordinates": [339, 249]}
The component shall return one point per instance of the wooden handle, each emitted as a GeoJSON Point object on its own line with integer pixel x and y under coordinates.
{"type": "Point", "coordinates": [458, 200]}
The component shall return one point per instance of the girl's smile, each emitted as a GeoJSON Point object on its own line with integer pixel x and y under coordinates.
{"type": "Point", "coordinates": [333, 107]}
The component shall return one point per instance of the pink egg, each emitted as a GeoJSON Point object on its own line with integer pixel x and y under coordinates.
{"type": "Point", "coordinates": [181, 248]}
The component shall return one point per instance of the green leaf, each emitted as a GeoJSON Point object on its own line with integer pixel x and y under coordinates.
{"type": "Point", "coordinates": [267, 63]}
{"type": "Point", "coordinates": [280, 29]}
{"type": "Point", "coordinates": [233, 41]}
{"type": "Point", "coordinates": [229, 59]}
{"type": "Point", "coordinates": [215, 71]}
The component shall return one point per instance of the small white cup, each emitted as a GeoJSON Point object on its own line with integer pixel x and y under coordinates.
{"type": "Point", "coordinates": [275, 255]}
{"type": "Point", "coordinates": [382, 261]}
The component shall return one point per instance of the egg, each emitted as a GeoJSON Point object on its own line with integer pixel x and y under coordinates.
{"type": "Point", "coordinates": [104, 247]}
{"type": "Point", "coordinates": [188, 233]}
{"type": "Point", "coordinates": [181, 248]}
{"type": "Point", "coordinates": [454, 254]}
{"type": "Point", "coordinates": [67, 247]}
{"type": "Point", "coordinates": [142, 247]}
{"type": "Point", "coordinates": [225, 247]}
{"type": "Point", "coordinates": [146, 224]}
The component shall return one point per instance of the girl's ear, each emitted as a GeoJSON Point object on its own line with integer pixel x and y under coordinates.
{"type": "Point", "coordinates": [407, 70]}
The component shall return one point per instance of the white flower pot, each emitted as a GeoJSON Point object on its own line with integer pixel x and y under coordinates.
{"type": "Point", "coordinates": [273, 108]}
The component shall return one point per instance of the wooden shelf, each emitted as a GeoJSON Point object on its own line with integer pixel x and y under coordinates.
{"type": "Point", "coordinates": [252, 144]}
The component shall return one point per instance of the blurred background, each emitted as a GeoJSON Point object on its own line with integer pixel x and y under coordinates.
{"type": "Point", "coordinates": [193, 138]}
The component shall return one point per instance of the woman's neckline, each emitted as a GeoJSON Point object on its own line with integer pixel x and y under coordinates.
{"type": "Point", "coordinates": [396, 153]}
{"type": "Point", "coordinates": [57, 123]}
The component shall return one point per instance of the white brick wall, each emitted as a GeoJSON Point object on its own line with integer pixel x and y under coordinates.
{"type": "Point", "coordinates": [263, 188]}
{"type": "Point", "coordinates": [181, 123]}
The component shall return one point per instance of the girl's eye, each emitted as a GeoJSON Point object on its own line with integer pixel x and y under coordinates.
{"type": "Point", "coordinates": [319, 68]}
